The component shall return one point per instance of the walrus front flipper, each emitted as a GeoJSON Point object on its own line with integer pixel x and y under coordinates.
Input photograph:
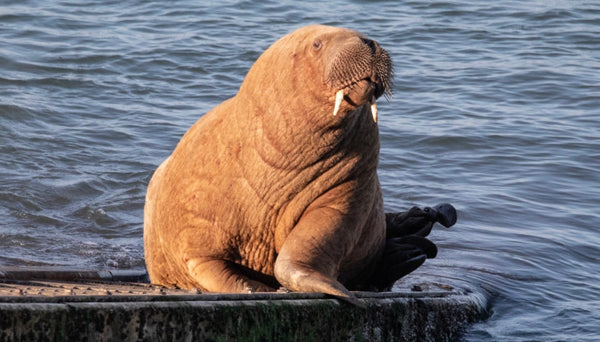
{"type": "Point", "coordinates": [297, 277]}
{"type": "Point", "coordinates": [308, 260]}
{"type": "Point", "coordinates": [401, 256]}
{"type": "Point", "coordinates": [215, 275]}
{"type": "Point", "coordinates": [418, 221]}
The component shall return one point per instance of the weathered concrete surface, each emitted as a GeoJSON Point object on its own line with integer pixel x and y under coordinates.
{"type": "Point", "coordinates": [143, 312]}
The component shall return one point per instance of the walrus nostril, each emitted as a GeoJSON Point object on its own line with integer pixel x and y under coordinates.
{"type": "Point", "coordinates": [370, 43]}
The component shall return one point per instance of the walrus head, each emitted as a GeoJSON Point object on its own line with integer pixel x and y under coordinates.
{"type": "Point", "coordinates": [320, 64]}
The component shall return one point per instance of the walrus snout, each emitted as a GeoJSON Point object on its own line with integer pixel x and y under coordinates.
{"type": "Point", "coordinates": [360, 73]}
{"type": "Point", "coordinates": [381, 70]}
{"type": "Point", "coordinates": [361, 59]}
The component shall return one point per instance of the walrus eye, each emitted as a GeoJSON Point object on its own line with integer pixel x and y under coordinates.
{"type": "Point", "coordinates": [317, 44]}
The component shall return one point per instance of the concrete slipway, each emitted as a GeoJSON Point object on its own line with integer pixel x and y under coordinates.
{"type": "Point", "coordinates": [67, 305]}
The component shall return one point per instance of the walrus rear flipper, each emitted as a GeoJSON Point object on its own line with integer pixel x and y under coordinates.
{"type": "Point", "coordinates": [406, 247]}
{"type": "Point", "coordinates": [418, 221]}
{"type": "Point", "coordinates": [401, 256]}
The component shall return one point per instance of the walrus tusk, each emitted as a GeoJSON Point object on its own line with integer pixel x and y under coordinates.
{"type": "Point", "coordinates": [374, 109]}
{"type": "Point", "coordinates": [339, 96]}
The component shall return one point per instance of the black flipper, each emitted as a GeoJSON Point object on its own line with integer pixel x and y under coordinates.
{"type": "Point", "coordinates": [402, 256]}
{"type": "Point", "coordinates": [406, 247]}
{"type": "Point", "coordinates": [446, 214]}
{"type": "Point", "coordinates": [417, 221]}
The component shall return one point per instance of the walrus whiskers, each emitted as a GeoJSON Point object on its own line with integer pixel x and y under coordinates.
{"type": "Point", "coordinates": [339, 96]}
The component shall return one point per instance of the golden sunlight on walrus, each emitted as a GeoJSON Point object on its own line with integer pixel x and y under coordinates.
{"type": "Point", "coordinates": [278, 185]}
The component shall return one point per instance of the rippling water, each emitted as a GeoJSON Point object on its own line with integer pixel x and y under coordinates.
{"type": "Point", "coordinates": [496, 109]}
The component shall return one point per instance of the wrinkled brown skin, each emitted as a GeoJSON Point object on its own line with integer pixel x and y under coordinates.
{"type": "Point", "coordinates": [269, 187]}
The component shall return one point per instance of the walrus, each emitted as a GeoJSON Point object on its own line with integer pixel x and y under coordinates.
{"type": "Point", "coordinates": [278, 187]}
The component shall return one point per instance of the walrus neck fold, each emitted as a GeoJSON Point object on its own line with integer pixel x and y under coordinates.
{"type": "Point", "coordinates": [281, 146]}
